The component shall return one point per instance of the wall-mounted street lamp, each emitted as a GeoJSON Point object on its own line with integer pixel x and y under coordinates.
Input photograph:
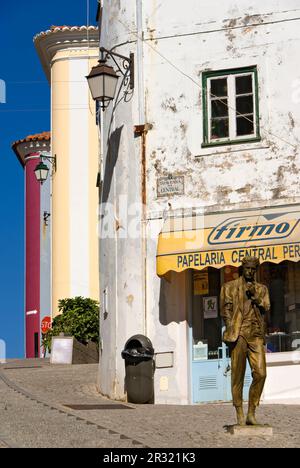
{"type": "Point", "coordinates": [42, 170]}
{"type": "Point", "coordinates": [103, 79]}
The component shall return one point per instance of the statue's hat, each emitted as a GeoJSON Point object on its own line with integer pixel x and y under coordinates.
{"type": "Point", "coordinates": [252, 260]}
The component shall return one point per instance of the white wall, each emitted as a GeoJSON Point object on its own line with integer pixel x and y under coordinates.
{"type": "Point", "coordinates": [180, 42]}
{"type": "Point", "coordinates": [283, 378]}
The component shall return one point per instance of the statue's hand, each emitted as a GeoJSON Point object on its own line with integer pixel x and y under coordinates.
{"type": "Point", "coordinates": [251, 294]}
{"type": "Point", "coordinates": [251, 289]}
{"type": "Point", "coordinates": [257, 302]}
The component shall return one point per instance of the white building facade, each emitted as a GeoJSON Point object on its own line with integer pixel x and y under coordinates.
{"type": "Point", "coordinates": [210, 138]}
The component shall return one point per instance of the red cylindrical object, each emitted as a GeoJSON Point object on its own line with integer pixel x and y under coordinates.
{"type": "Point", "coordinates": [32, 263]}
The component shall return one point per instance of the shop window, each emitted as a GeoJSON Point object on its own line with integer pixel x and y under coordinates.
{"type": "Point", "coordinates": [283, 282]}
{"type": "Point", "coordinates": [283, 321]}
{"type": "Point", "coordinates": [230, 106]}
{"type": "Point", "coordinates": [207, 323]}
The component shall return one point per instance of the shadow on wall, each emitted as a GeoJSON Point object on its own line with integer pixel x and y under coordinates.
{"type": "Point", "coordinates": [173, 304]}
{"type": "Point", "coordinates": [111, 160]}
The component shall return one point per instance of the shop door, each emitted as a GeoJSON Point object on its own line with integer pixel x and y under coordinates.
{"type": "Point", "coordinates": [210, 360]}
{"type": "Point", "coordinates": [210, 376]}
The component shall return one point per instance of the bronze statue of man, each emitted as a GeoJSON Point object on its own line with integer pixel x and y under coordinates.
{"type": "Point", "coordinates": [244, 305]}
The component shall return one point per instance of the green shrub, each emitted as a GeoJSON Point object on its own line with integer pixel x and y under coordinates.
{"type": "Point", "coordinates": [79, 318]}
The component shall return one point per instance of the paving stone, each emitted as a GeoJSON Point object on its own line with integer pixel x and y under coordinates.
{"type": "Point", "coordinates": [30, 424]}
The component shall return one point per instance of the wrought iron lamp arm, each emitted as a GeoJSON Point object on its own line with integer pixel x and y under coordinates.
{"type": "Point", "coordinates": [128, 63]}
{"type": "Point", "coordinates": [50, 159]}
{"type": "Point", "coordinates": [112, 54]}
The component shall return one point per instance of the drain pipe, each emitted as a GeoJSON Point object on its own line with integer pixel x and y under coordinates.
{"type": "Point", "coordinates": [140, 61]}
{"type": "Point", "coordinates": [140, 131]}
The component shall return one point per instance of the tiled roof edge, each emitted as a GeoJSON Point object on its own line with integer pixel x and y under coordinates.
{"type": "Point", "coordinates": [55, 29]}
{"type": "Point", "coordinates": [37, 137]}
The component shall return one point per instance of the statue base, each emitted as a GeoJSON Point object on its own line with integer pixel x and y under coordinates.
{"type": "Point", "coordinates": [260, 430]}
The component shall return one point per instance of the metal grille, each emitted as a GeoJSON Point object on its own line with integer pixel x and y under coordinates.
{"type": "Point", "coordinates": [247, 380]}
{"type": "Point", "coordinates": [98, 407]}
{"type": "Point", "coordinates": [209, 381]}
{"type": "Point", "coordinates": [22, 367]}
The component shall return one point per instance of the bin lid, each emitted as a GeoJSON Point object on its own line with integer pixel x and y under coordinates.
{"type": "Point", "coordinates": [140, 341]}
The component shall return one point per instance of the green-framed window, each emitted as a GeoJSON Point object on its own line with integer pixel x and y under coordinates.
{"type": "Point", "coordinates": [230, 106]}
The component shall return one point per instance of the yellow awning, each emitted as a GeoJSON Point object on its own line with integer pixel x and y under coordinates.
{"type": "Point", "coordinates": [216, 240]}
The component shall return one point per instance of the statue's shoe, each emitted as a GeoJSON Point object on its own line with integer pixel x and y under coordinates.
{"type": "Point", "coordinates": [241, 421]}
{"type": "Point", "coordinates": [251, 420]}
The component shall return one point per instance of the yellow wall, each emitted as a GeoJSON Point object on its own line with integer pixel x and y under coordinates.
{"type": "Point", "coordinates": [93, 196]}
{"type": "Point", "coordinates": [67, 243]}
{"type": "Point", "coordinates": [60, 187]}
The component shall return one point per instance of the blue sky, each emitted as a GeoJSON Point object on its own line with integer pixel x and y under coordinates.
{"type": "Point", "coordinates": [26, 111]}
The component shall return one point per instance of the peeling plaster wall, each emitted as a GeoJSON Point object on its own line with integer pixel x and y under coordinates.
{"type": "Point", "coordinates": [120, 255]}
{"type": "Point", "coordinates": [121, 259]}
{"type": "Point", "coordinates": [168, 325]}
{"type": "Point", "coordinates": [180, 42]}
{"type": "Point", "coordinates": [223, 37]}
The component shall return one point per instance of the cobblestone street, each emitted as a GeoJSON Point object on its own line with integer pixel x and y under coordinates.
{"type": "Point", "coordinates": [34, 409]}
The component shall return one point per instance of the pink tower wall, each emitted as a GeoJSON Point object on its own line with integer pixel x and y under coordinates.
{"type": "Point", "coordinates": [32, 263]}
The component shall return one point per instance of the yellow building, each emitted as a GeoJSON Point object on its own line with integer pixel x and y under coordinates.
{"type": "Point", "coordinates": [67, 55]}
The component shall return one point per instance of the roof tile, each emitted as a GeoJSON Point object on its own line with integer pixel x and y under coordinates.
{"type": "Point", "coordinates": [55, 29]}
{"type": "Point", "coordinates": [37, 137]}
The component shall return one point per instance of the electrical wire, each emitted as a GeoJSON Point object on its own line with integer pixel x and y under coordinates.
{"type": "Point", "coordinates": [197, 84]}
{"type": "Point", "coordinates": [45, 110]}
{"type": "Point", "coordinates": [34, 82]}
{"type": "Point", "coordinates": [166, 60]}
{"type": "Point", "coordinates": [45, 82]}
{"type": "Point", "coordinates": [24, 110]}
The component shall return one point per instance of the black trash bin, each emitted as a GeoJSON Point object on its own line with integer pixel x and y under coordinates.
{"type": "Point", "coordinates": [139, 369]}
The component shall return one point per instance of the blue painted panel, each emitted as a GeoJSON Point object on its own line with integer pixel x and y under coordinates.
{"type": "Point", "coordinates": [208, 381]}
{"type": "Point", "coordinates": [211, 380]}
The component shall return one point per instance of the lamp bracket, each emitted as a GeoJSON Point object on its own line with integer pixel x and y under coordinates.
{"type": "Point", "coordinates": [45, 156]}
{"type": "Point", "coordinates": [126, 68]}
{"type": "Point", "coordinates": [50, 159]}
